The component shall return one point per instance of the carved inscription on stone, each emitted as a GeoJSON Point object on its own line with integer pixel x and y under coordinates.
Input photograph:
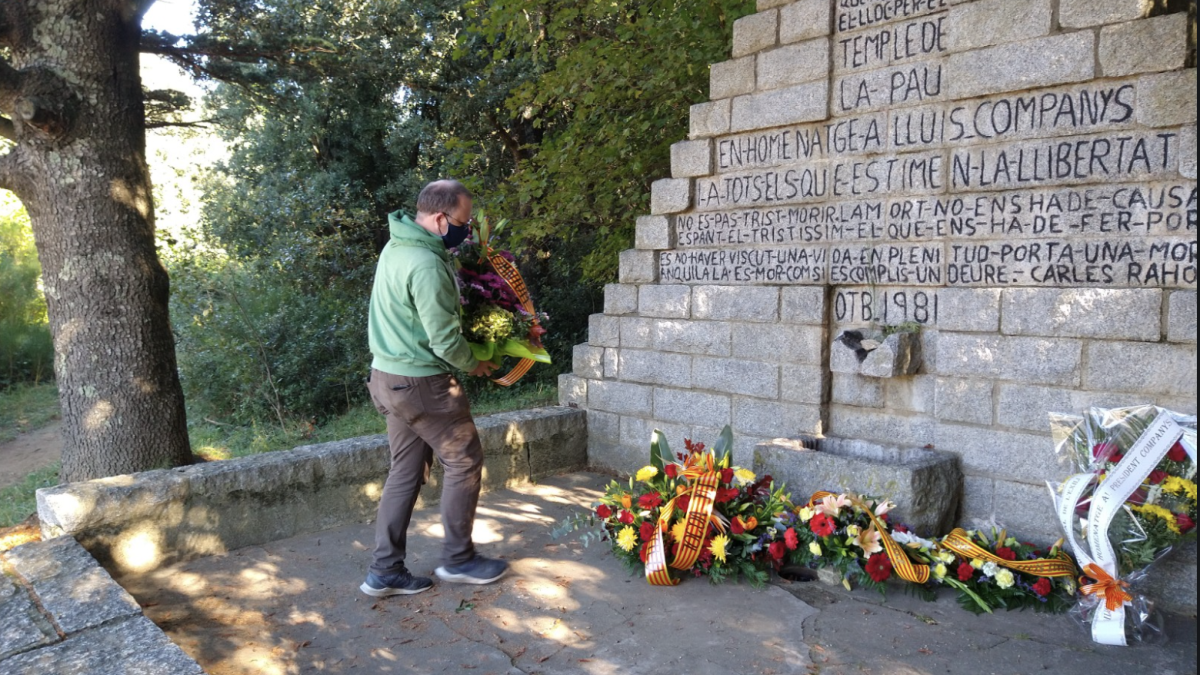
{"type": "Point", "coordinates": [905, 189]}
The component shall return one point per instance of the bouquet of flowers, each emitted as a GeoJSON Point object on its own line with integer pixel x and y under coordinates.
{"type": "Point", "coordinates": [994, 572]}
{"type": "Point", "coordinates": [1131, 501]}
{"type": "Point", "coordinates": [497, 315]}
{"type": "Point", "coordinates": [696, 510]}
{"type": "Point", "coordinates": [844, 533]}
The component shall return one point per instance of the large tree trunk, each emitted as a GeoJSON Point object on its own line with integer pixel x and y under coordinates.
{"type": "Point", "coordinates": [80, 169]}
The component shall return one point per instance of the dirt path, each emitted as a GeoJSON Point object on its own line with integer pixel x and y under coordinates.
{"type": "Point", "coordinates": [29, 452]}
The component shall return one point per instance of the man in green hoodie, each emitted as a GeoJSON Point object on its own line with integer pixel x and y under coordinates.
{"type": "Point", "coordinates": [416, 338]}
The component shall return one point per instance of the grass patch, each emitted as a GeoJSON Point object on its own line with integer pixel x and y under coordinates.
{"type": "Point", "coordinates": [25, 407]}
{"type": "Point", "coordinates": [17, 502]}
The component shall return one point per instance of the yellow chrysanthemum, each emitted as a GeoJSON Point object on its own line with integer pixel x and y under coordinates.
{"type": "Point", "coordinates": [745, 476]}
{"type": "Point", "coordinates": [977, 563]}
{"type": "Point", "coordinates": [939, 570]}
{"type": "Point", "coordinates": [677, 529]}
{"type": "Point", "coordinates": [1176, 485]}
{"type": "Point", "coordinates": [814, 548]}
{"type": "Point", "coordinates": [717, 546]}
{"type": "Point", "coordinates": [627, 538]}
{"type": "Point", "coordinates": [646, 473]}
{"type": "Point", "coordinates": [1161, 513]}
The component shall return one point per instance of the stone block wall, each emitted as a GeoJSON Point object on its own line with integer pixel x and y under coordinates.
{"type": "Point", "coordinates": [1014, 178]}
{"type": "Point", "coordinates": [138, 523]}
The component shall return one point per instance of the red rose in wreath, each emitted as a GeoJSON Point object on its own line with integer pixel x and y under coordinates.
{"type": "Point", "coordinates": [603, 511]}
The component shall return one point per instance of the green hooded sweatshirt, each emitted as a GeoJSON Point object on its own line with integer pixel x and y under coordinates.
{"type": "Point", "coordinates": [413, 326]}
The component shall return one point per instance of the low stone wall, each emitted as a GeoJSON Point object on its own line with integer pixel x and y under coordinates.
{"type": "Point", "coordinates": [133, 524]}
{"type": "Point", "coordinates": [60, 612]}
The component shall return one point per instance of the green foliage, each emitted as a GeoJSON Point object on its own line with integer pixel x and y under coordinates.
{"type": "Point", "coordinates": [336, 113]}
{"type": "Point", "coordinates": [25, 407]}
{"type": "Point", "coordinates": [606, 89]}
{"type": "Point", "coordinates": [26, 352]}
{"type": "Point", "coordinates": [18, 502]}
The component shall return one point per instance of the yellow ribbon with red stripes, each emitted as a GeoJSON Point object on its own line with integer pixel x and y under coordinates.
{"type": "Point", "coordinates": [512, 276]}
{"type": "Point", "coordinates": [959, 543]}
{"type": "Point", "coordinates": [703, 479]}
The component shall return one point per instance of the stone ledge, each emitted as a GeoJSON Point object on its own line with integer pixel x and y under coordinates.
{"type": "Point", "coordinates": [137, 523]}
{"type": "Point", "coordinates": [924, 484]}
{"type": "Point", "coordinates": [62, 613]}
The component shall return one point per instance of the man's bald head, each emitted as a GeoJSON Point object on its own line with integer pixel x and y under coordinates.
{"type": "Point", "coordinates": [442, 196]}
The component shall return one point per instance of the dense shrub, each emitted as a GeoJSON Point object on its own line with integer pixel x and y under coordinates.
{"type": "Point", "coordinates": [26, 353]}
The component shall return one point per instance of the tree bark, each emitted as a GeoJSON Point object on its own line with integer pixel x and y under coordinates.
{"type": "Point", "coordinates": [80, 128]}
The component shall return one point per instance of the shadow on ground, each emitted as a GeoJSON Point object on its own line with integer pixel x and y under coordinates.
{"type": "Point", "coordinates": [292, 607]}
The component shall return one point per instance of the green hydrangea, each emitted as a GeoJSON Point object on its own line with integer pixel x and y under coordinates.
{"type": "Point", "coordinates": [490, 325]}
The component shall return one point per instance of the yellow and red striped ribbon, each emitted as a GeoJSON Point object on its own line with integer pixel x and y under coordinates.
{"type": "Point", "coordinates": [958, 542]}
{"type": "Point", "coordinates": [1060, 566]}
{"type": "Point", "coordinates": [512, 276]}
{"type": "Point", "coordinates": [702, 496]}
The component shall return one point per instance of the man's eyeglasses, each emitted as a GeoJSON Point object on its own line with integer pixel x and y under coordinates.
{"type": "Point", "coordinates": [450, 220]}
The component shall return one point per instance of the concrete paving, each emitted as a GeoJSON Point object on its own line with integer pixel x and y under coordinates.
{"type": "Point", "coordinates": [292, 607]}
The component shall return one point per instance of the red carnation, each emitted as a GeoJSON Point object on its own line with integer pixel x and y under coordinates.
{"type": "Point", "coordinates": [777, 550]}
{"type": "Point", "coordinates": [1157, 477]}
{"type": "Point", "coordinates": [603, 511]}
{"type": "Point", "coordinates": [726, 495]}
{"type": "Point", "coordinates": [1006, 553]}
{"type": "Point", "coordinates": [1177, 453]}
{"type": "Point", "coordinates": [879, 567]}
{"type": "Point", "coordinates": [625, 517]}
{"type": "Point", "coordinates": [1042, 587]}
{"type": "Point", "coordinates": [965, 572]}
{"type": "Point", "coordinates": [1184, 522]}
{"type": "Point", "coordinates": [682, 502]}
{"type": "Point", "coordinates": [646, 531]}
{"type": "Point", "coordinates": [822, 525]}
{"type": "Point", "coordinates": [790, 538]}
{"type": "Point", "coordinates": [727, 476]}
{"type": "Point", "coordinates": [650, 501]}
{"type": "Point", "coordinates": [672, 470]}
{"type": "Point", "coordinates": [736, 526]}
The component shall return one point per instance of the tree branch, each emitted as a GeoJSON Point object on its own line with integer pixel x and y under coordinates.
{"type": "Point", "coordinates": [163, 124]}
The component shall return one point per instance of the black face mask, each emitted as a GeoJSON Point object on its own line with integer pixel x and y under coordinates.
{"type": "Point", "coordinates": [455, 234]}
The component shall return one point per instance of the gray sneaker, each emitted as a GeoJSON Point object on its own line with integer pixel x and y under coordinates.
{"type": "Point", "coordinates": [479, 570]}
{"type": "Point", "coordinates": [401, 583]}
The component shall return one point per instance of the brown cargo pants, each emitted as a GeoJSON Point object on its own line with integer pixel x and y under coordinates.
{"type": "Point", "coordinates": [426, 416]}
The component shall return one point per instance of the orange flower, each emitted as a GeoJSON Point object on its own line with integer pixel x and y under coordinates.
{"type": "Point", "coordinates": [749, 522]}
{"type": "Point", "coordinates": [627, 501]}
{"type": "Point", "coordinates": [680, 489]}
